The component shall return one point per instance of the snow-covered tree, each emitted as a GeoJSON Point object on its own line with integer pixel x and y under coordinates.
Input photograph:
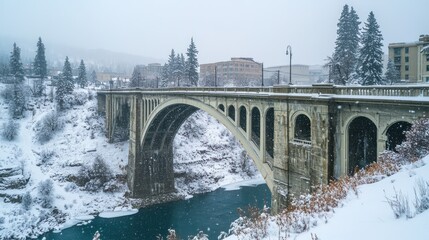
{"type": "Point", "coordinates": [343, 60]}
{"type": "Point", "coordinates": [40, 65]}
{"type": "Point", "coordinates": [164, 76]}
{"type": "Point", "coordinates": [192, 64]}
{"type": "Point", "coordinates": [82, 81]}
{"type": "Point", "coordinates": [136, 78]}
{"type": "Point", "coordinates": [27, 200]}
{"type": "Point", "coordinates": [93, 77]}
{"type": "Point", "coordinates": [65, 83]}
{"type": "Point", "coordinates": [391, 76]}
{"type": "Point", "coordinates": [10, 130]}
{"type": "Point", "coordinates": [370, 67]}
{"type": "Point", "coordinates": [46, 193]}
{"type": "Point", "coordinates": [171, 66]}
{"type": "Point", "coordinates": [15, 64]}
{"type": "Point", "coordinates": [17, 105]}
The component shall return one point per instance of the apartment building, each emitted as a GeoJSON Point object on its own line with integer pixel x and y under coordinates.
{"type": "Point", "coordinates": [412, 59]}
{"type": "Point", "coordinates": [237, 72]}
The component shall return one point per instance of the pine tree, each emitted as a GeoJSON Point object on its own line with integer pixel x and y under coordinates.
{"type": "Point", "coordinates": [371, 53]}
{"type": "Point", "coordinates": [182, 70]}
{"type": "Point", "coordinates": [16, 67]}
{"type": "Point", "coordinates": [391, 76]}
{"type": "Point", "coordinates": [81, 78]}
{"type": "Point", "coordinates": [171, 66]}
{"type": "Point", "coordinates": [93, 77]}
{"type": "Point", "coordinates": [177, 70]}
{"type": "Point", "coordinates": [65, 83]}
{"type": "Point", "coordinates": [192, 63]}
{"type": "Point", "coordinates": [343, 61]}
{"type": "Point", "coordinates": [40, 65]}
{"type": "Point", "coordinates": [17, 105]}
{"type": "Point", "coordinates": [136, 78]}
{"type": "Point", "coordinates": [164, 76]}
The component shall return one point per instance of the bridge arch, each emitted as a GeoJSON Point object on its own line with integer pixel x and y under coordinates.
{"type": "Point", "coordinates": [361, 139]}
{"type": "Point", "coordinates": [162, 125]}
{"type": "Point", "coordinates": [255, 129]}
{"type": "Point", "coordinates": [395, 133]}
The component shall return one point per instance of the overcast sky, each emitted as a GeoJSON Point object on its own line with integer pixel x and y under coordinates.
{"type": "Point", "coordinates": [221, 28]}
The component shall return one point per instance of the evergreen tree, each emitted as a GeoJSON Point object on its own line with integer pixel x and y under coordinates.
{"type": "Point", "coordinates": [136, 78]}
{"type": "Point", "coordinates": [93, 77]}
{"type": "Point", "coordinates": [81, 78]}
{"type": "Point", "coordinates": [346, 46]}
{"type": "Point", "coordinates": [171, 66]}
{"type": "Point", "coordinates": [40, 65]}
{"type": "Point", "coordinates": [65, 83]}
{"type": "Point", "coordinates": [177, 70]}
{"type": "Point", "coordinates": [17, 105]}
{"type": "Point", "coordinates": [192, 63]}
{"type": "Point", "coordinates": [16, 67]}
{"type": "Point", "coordinates": [164, 76]}
{"type": "Point", "coordinates": [391, 76]}
{"type": "Point", "coordinates": [371, 53]}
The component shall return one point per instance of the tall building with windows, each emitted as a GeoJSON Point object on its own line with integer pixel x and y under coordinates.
{"type": "Point", "coordinates": [237, 72]}
{"type": "Point", "coordinates": [412, 59]}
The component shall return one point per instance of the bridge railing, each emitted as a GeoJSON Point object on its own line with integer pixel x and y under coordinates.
{"type": "Point", "coordinates": [381, 90]}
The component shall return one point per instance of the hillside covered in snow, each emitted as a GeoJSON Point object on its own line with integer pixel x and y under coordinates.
{"type": "Point", "coordinates": [60, 168]}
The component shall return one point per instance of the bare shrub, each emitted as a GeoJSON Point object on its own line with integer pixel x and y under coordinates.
{"type": "Point", "coordinates": [421, 196]}
{"type": "Point", "coordinates": [416, 145]}
{"type": "Point", "coordinates": [45, 156]}
{"type": "Point", "coordinates": [400, 205]}
{"type": "Point", "coordinates": [46, 193]}
{"type": "Point", "coordinates": [10, 130]}
{"type": "Point", "coordinates": [47, 126]}
{"type": "Point", "coordinates": [94, 177]}
{"type": "Point", "coordinates": [252, 222]}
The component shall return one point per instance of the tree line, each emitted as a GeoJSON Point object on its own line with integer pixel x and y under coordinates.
{"type": "Point", "coordinates": [358, 54]}
{"type": "Point", "coordinates": [178, 71]}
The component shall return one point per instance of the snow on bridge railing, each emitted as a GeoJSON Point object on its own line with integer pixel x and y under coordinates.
{"type": "Point", "coordinates": [380, 90]}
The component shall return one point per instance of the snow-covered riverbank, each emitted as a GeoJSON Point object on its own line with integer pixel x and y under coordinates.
{"type": "Point", "coordinates": [206, 157]}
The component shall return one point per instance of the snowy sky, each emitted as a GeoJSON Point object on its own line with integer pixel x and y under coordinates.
{"type": "Point", "coordinates": [221, 28]}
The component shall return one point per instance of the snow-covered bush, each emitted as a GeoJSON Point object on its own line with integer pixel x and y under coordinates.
{"type": "Point", "coordinates": [45, 156]}
{"type": "Point", "coordinates": [46, 193]}
{"type": "Point", "coordinates": [252, 222]}
{"type": "Point", "coordinates": [7, 93]}
{"type": "Point", "coordinates": [80, 97]}
{"type": "Point", "coordinates": [27, 200]}
{"type": "Point", "coordinates": [10, 130]}
{"type": "Point", "coordinates": [400, 205]}
{"type": "Point", "coordinates": [416, 145]}
{"type": "Point", "coordinates": [94, 177]}
{"type": "Point", "coordinates": [47, 126]}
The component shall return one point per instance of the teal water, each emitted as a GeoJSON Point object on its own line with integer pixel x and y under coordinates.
{"type": "Point", "coordinates": [210, 212]}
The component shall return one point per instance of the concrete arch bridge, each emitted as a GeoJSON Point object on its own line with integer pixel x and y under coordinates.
{"type": "Point", "coordinates": [298, 136]}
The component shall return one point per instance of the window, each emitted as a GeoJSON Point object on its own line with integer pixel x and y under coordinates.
{"type": "Point", "coordinates": [427, 68]}
{"type": "Point", "coordinates": [397, 51]}
{"type": "Point", "coordinates": [427, 57]}
{"type": "Point", "coordinates": [397, 60]}
{"type": "Point", "coordinates": [427, 79]}
{"type": "Point", "coordinates": [407, 68]}
{"type": "Point", "coordinates": [406, 50]}
{"type": "Point", "coordinates": [406, 77]}
{"type": "Point", "coordinates": [407, 59]}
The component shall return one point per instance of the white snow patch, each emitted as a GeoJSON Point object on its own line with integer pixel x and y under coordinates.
{"type": "Point", "coordinates": [113, 214]}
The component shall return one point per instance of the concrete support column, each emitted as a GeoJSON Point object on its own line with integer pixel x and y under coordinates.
{"type": "Point", "coordinates": [134, 156]}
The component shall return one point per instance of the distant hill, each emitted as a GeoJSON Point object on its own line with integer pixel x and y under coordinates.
{"type": "Point", "coordinates": [98, 59]}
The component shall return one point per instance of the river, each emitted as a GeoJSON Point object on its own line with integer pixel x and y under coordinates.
{"type": "Point", "coordinates": [210, 212]}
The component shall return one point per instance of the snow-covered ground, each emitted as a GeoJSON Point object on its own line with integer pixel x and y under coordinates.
{"type": "Point", "coordinates": [206, 157]}
{"type": "Point", "coordinates": [367, 214]}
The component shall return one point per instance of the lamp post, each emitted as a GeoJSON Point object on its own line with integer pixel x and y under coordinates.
{"type": "Point", "coordinates": [289, 52]}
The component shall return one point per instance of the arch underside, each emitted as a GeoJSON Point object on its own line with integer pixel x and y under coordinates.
{"type": "Point", "coordinates": [155, 166]}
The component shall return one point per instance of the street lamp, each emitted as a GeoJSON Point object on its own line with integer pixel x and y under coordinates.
{"type": "Point", "coordinates": [289, 52]}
